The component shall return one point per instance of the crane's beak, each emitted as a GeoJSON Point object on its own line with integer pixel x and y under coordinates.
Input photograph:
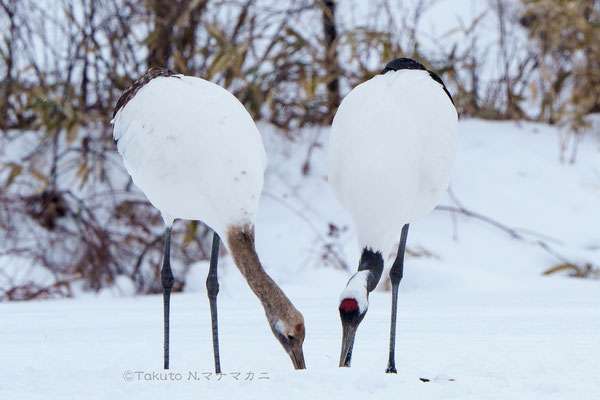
{"type": "Point", "coordinates": [349, 332]}
{"type": "Point", "coordinates": [297, 356]}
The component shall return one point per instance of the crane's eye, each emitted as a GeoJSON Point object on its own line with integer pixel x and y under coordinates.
{"type": "Point", "coordinates": [291, 337]}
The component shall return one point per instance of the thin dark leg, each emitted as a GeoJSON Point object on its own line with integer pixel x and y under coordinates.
{"type": "Point", "coordinates": [212, 289]}
{"type": "Point", "coordinates": [167, 284]}
{"type": "Point", "coordinates": [396, 273]}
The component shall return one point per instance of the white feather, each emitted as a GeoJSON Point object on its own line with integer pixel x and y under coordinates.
{"type": "Point", "coordinates": [392, 145]}
{"type": "Point", "coordinates": [280, 327]}
{"type": "Point", "coordinates": [194, 151]}
{"type": "Point", "coordinates": [357, 289]}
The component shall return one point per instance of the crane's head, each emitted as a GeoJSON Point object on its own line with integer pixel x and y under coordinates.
{"type": "Point", "coordinates": [287, 324]}
{"type": "Point", "coordinates": [289, 330]}
{"type": "Point", "coordinates": [354, 301]}
{"type": "Point", "coordinates": [351, 316]}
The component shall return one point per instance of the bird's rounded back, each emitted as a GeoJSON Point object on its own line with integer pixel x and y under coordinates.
{"type": "Point", "coordinates": [392, 145]}
{"type": "Point", "coordinates": [193, 149]}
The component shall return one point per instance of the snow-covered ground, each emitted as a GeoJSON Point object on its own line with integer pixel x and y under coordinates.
{"type": "Point", "coordinates": [476, 316]}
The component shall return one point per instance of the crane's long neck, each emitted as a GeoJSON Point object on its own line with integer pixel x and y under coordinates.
{"type": "Point", "coordinates": [371, 261]}
{"type": "Point", "coordinates": [365, 279]}
{"type": "Point", "coordinates": [240, 241]}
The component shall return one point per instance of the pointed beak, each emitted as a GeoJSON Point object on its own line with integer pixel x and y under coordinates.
{"type": "Point", "coordinates": [297, 357]}
{"type": "Point", "coordinates": [349, 332]}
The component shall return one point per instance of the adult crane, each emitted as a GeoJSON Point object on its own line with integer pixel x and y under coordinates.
{"type": "Point", "coordinates": [392, 145]}
{"type": "Point", "coordinates": [195, 152]}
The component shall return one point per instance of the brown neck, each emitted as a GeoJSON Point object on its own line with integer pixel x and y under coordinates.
{"type": "Point", "coordinates": [240, 241]}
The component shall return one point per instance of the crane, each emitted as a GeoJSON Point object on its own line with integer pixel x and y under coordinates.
{"type": "Point", "coordinates": [195, 152]}
{"type": "Point", "coordinates": [392, 146]}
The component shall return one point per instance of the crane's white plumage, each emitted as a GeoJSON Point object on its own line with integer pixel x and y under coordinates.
{"type": "Point", "coordinates": [392, 145]}
{"type": "Point", "coordinates": [356, 289]}
{"type": "Point", "coordinates": [194, 150]}
{"type": "Point", "coordinates": [393, 142]}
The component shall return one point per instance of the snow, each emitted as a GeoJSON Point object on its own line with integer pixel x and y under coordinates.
{"type": "Point", "coordinates": [475, 314]}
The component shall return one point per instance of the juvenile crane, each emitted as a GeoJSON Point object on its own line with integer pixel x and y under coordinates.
{"type": "Point", "coordinates": [195, 152]}
{"type": "Point", "coordinates": [392, 145]}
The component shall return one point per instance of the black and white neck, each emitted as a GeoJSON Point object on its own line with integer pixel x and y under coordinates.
{"type": "Point", "coordinates": [364, 280]}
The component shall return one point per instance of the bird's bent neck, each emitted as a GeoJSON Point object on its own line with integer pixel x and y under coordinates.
{"type": "Point", "coordinates": [371, 261]}
{"type": "Point", "coordinates": [240, 241]}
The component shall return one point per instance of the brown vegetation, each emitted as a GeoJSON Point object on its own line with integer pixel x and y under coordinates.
{"type": "Point", "coordinates": [65, 203]}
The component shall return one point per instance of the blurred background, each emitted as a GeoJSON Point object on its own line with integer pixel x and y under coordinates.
{"type": "Point", "coordinates": [72, 222]}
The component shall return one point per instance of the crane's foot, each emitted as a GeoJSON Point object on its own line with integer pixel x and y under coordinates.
{"type": "Point", "coordinates": [391, 370]}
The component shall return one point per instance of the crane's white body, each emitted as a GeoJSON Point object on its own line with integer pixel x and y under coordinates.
{"type": "Point", "coordinates": [392, 145]}
{"type": "Point", "coordinates": [194, 151]}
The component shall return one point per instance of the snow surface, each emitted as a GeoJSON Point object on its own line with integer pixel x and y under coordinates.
{"type": "Point", "coordinates": [475, 315]}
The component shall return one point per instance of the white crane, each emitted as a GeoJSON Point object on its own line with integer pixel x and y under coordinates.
{"type": "Point", "coordinates": [392, 145]}
{"type": "Point", "coordinates": [195, 152]}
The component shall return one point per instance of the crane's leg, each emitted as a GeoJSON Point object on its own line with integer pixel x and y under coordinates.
{"type": "Point", "coordinates": [212, 289]}
{"type": "Point", "coordinates": [167, 284]}
{"type": "Point", "coordinates": [396, 273]}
